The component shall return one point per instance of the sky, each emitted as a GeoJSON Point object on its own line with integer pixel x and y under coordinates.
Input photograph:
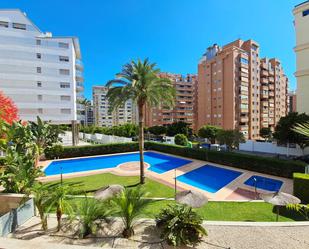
{"type": "Point", "coordinates": [172, 33]}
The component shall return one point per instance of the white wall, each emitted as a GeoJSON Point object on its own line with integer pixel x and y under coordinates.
{"type": "Point", "coordinates": [19, 76]}
{"type": "Point", "coordinates": [272, 148]}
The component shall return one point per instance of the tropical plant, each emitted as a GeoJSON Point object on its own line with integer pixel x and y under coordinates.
{"type": "Point", "coordinates": [181, 139]}
{"type": "Point", "coordinates": [19, 173]}
{"type": "Point", "coordinates": [231, 138]}
{"type": "Point", "coordinates": [210, 132]}
{"type": "Point", "coordinates": [302, 209]}
{"type": "Point", "coordinates": [89, 213]}
{"type": "Point", "coordinates": [87, 104]}
{"type": "Point", "coordinates": [266, 133]}
{"type": "Point", "coordinates": [180, 225]}
{"type": "Point", "coordinates": [302, 129]}
{"type": "Point", "coordinates": [285, 133]}
{"type": "Point", "coordinates": [42, 201]}
{"type": "Point", "coordinates": [129, 205]}
{"type": "Point", "coordinates": [178, 128]}
{"type": "Point", "coordinates": [138, 81]}
{"type": "Point", "coordinates": [157, 130]}
{"type": "Point", "coordinates": [44, 135]}
{"type": "Point", "coordinates": [61, 201]}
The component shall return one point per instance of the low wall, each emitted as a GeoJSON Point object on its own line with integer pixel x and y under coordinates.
{"type": "Point", "coordinates": [13, 213]}
{"type": "Point", "coordinates": [103, 139]}
{"type": "Point", "coordinates": [272, 148]}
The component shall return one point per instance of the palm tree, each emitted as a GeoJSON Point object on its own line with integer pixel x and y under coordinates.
{"type": "Point", "coordinates": [129, 204]}
{"type": "Point", "coordinates": [302, 129]}
{"type": "Point", "coordinates": [87, 104]}
{"type": "Point", "coordinates": [61, 201]}
{"type": "Point", "coordinates": [139, 81]}
{"type": "Point", "coordinates": [42, 200]}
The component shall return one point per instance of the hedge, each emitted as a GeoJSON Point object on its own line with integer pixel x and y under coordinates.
{"type": "Point", "coordinates": [301, 186]}
{"type": "Point", "coordinates": [90, 150]}
{"type": "Point", "coordinates": [266, 165]}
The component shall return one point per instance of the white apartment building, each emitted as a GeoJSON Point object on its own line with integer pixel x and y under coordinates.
{"type": "Point", "coordinates": [101, 111]}
{"type": "Point", "coordinates": [41, 73]}
{"type": "Point", "coordinates": [301, 22]}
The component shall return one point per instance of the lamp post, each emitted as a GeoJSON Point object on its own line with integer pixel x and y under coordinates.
{"type": "Point", "coordinates": [175, 177]}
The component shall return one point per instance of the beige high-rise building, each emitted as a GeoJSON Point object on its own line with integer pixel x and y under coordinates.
{"type": "Point", "coordinates": [102, 114]}
{"type": "Point", "coordinates": [301, 22]}
{"type": "Point", "coordinates": [233, 89]}
{"type": "Point", "coordinates": [185, 103]}
{"type": "Point", "coordinates": [292, 101]}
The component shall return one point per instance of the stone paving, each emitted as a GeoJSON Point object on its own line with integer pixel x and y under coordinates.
{"type": "Point", "coordinates": [224, 236]}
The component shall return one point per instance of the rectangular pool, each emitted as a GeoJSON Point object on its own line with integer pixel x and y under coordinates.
{"type": "Point", "coordinates": [264, 183]}
{"type": "Point", "coordinates": [159, 163]}
{"type": "Point", "coordinates": [209, 177]}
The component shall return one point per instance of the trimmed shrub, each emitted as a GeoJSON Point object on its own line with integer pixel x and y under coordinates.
{"type": "Point", "coordinates": [181, 139]}
{"type": "Point", "coordinates": [266, 165]}
{"type": "Point", "coordinates": [301, 186]}
{"type": "Point", "coordinates": [90, 150]}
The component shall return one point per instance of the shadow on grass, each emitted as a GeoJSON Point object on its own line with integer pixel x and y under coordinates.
{"type": "Point", "coordinates": [288, 213]}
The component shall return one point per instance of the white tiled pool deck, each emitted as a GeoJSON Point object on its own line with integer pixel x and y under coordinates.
{"type": "Point", "coordinates": [235, 190]}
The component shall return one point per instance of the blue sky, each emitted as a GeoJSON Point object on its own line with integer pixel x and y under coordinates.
{"type": "Point", "coordinates": [173, 33]}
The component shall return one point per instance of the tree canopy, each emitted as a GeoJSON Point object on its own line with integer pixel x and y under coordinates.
{"type": "Point", "coordinates": [285, 133]}
{"type": "Point", "coordinates": [178, 128]}
{"type": "Point", "coordinates": [210, 132]}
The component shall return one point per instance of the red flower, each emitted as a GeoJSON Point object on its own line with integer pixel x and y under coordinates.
{"type": "Point", "coordinates": [8, 110]}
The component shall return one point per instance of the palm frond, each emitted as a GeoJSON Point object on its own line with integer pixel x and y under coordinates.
{"type": "Point", "coordinates": [302, 129]}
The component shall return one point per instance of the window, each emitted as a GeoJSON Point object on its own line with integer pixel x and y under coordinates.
{"type": "Point", "coordinates": [39, 84]}
{"type": "Point", "coordinates": [39, 70]}
{"type": "Point", "coordinates": [38, 56]}
{"type": "Point", "coordinates": [244, 60]}
{"type": "Point", "coordinates": [40, 110]}
{"type": "Point", "coordinates": [64, 85]}
{"type": "Point", "coordinates": [65, 98]}
{"type": "Point", "coordinates": [19, 26]}
{"type": "Point", "coordinates": [64, 58]}
{"type": "Point", "coordinates": [64, 71]}
{"type": "Point", "coordinates": [38, 42]}
{"type": "Point", "coordinates": [65, 111]}
{"type": "Point", "coordinates": [4, 24]}
{"type": "Point", "coordinates": [63, 45]}
{"type": "Point", "coordinates": [306, 12]}
{"type": "Point", "coordinates": [40, 97]}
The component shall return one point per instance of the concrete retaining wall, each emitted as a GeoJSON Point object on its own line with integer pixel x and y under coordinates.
{"type": "Point", "coordinates": [14, 211]}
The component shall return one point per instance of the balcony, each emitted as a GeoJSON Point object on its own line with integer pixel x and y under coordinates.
{"type": "Point", "coordinates": [264, 88]}
{"type": "Point", "coordinates": [79, 65]}
{"type": "Point", "coordinates": [271, 79]}
{"type": "Point", "coordinates": [263, 65]}
{"type": "Point", "coordinates": [264, 80]}
{"type": "Point", "coordinates": [244, 127]}
{"type": "Point", "coordinates": [264, 73]}
{"type": "Point", "coordinates": [264, 95]}
{"type": "Point", "coordinates": [79, 76]}
{"type": "Point", "coordinates": [244, 119]}
{"type": "Point", "coordinates": [271, 87]}
{"type": "Point", "coordinates": [271, 94]}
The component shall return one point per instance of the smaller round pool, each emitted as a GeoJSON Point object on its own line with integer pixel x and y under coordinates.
{"type": "Point", "coordinates": [264, 183]}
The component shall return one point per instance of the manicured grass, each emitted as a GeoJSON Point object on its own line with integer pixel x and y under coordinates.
{"type": "Point", "coordinates": [220, 211]}
{"type": "Point", "coordinates": [89, 184]}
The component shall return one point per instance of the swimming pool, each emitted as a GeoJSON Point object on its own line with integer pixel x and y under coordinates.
{"type": "Point", "coordinates": [264, 183]}
{"type": "Point", "coordinates": [159, 163]}
{"type": "Point", "coordinates": [209, 177]}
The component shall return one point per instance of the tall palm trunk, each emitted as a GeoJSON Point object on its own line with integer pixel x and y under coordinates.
{"type": "Point", "coordinates": [59, 215]}
{"type": "Point", "coordinates": [141, 141]}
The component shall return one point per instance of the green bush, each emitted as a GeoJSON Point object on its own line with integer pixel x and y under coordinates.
{"type": "Point", "coordinates": [90, 150]}
{"type": "Point", "coordinates": [180, 225]}
{"type": "Point", "coordinates": [266, 165]}
{"type": "Point", "coordinates": [301, 186]}
{"type": "Point", "coordinates": [181, 139]}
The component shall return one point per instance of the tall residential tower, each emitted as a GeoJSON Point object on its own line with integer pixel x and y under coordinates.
{"type": "Point", "coordinates": [41, 73]}
{"type": "Point", "coordinates": [234, 89]}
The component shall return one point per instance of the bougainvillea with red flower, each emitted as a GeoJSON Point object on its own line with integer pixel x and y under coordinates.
{"type": "Point", "coordinates": [8, 110]}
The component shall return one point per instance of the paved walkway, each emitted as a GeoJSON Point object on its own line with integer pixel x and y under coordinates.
{"type": "Point", "coordinates": [147, 237]}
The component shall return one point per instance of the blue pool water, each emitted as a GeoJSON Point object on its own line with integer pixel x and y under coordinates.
{"type": "Point", "coordinates": [159, 163]}
{"type": "Point", "coordinates": [264, 183]}
{"type": "Point", "coordinates": [209, 178]}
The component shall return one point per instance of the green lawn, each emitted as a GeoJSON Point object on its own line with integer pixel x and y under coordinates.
{"type": "Point", "coordinates": [221, 211]}
{"type": "Point", "coordinates": [89, 184]}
